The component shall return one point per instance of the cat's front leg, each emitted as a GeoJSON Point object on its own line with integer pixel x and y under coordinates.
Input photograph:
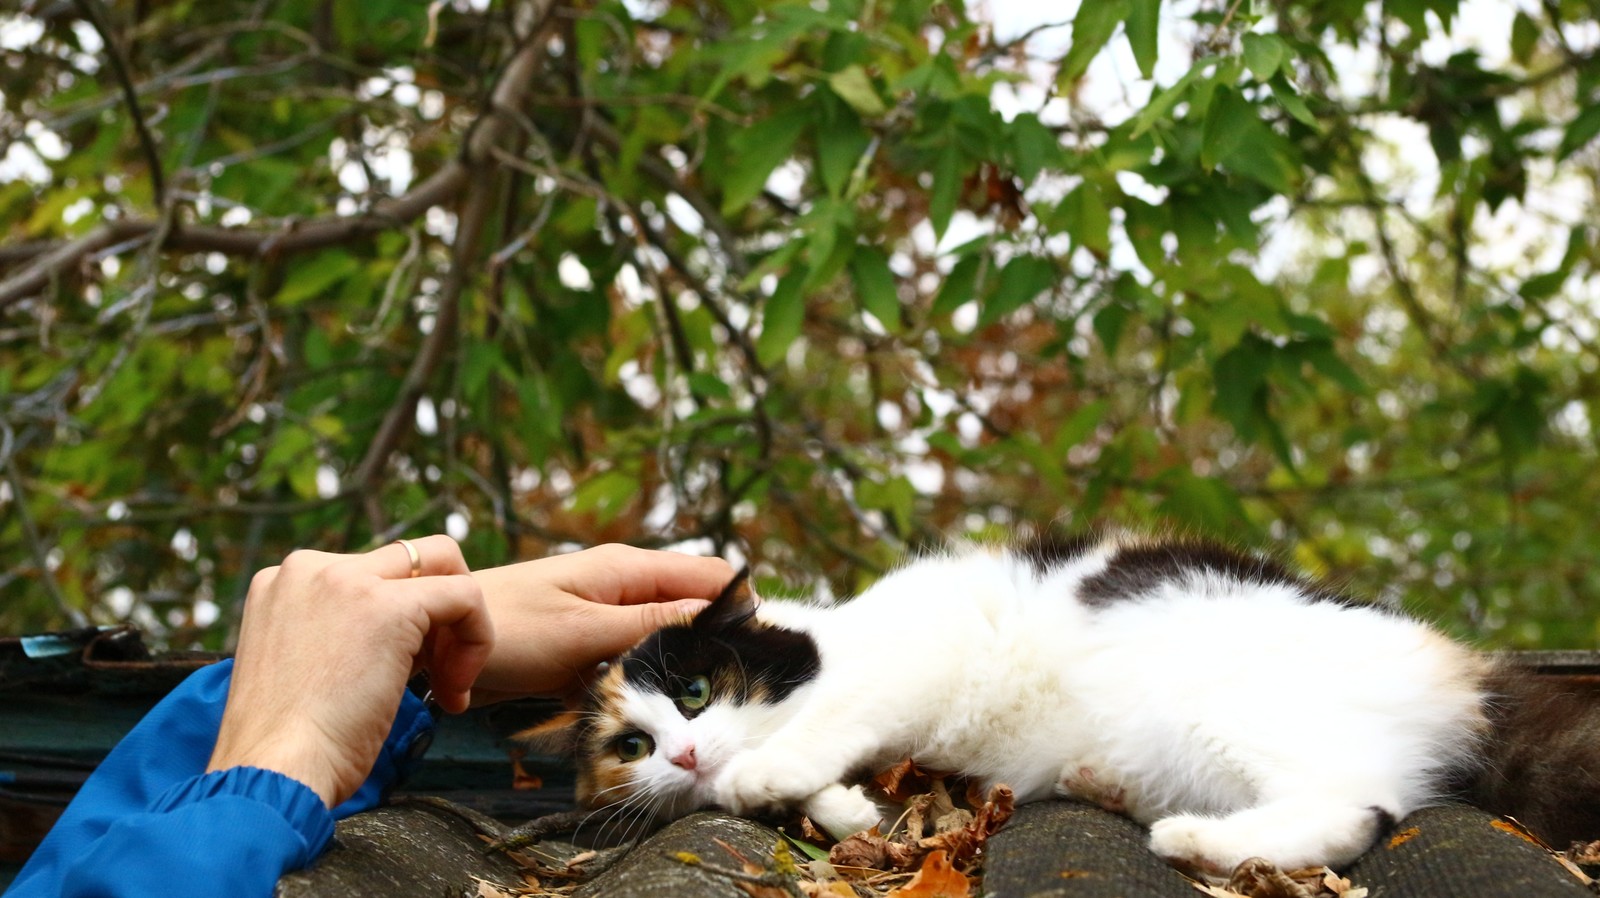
{"type": "Point", "coordinates": [842, 812]}
{"type": "Point", "coordinates": [793, 765]}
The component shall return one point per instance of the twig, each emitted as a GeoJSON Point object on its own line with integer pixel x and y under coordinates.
{"type": "Point", "coordinates": [36, 545]}
{"type": "Point", "coordinates": [119, 68]}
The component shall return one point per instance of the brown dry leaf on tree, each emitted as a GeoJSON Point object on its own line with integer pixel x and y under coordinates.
{"type": "Point", "coordinates": [938, 878]}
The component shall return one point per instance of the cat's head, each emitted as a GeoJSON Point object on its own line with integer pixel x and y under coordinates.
{"type": "Point", "coordinates": [664, 719]}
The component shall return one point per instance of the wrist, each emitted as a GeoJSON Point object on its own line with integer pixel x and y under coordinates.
{"type": "Point", "coordinates": [300, 760]}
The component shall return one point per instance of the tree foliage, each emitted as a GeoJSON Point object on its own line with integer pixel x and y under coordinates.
{"type": "Point", "coordinates": [820, 282]}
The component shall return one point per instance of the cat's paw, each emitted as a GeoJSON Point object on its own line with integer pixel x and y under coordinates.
{"type": "Point", "coordinates": [767, 780]}
{"type": "Point", "coordinates": [1292, 834]}
{"type": "Point", "coordinates": [1203, 846]}
{"type": "Point", "coordinates": [842, 812]}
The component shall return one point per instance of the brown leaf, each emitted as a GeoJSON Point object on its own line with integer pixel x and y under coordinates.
{"type": "Point", "coordinates": [903, 780]}
{"type": "Point", "coordinates": [810, 833]}
{"type": "Point", "coordinates": [521, 779]}
{"type": "Point", "coordinates": [1404, 836]}
{"type": "Point", "coordinates": [1513, 826]}
{"type": "Point", "coordinates": [1259, 878]}
{"type": "Point", "coordinates": [864, 849]}
{"type": "Point", "coordinates": [965, 841]}
{"type": "Point", "coordinates": [1584, 853]}
{"type": "Point", "coordinates": [487, 889]}
{"type": "Point", "coordinates": [937, 879]}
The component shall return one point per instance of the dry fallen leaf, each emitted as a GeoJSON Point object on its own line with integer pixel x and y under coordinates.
{"type": "Point", "coordinates": [521, 779]}
{"type": "Point", "coordinates": [487, 889]}
{"type": "Point", "coordinates": [937, 879]}
{"type": "Point", "coordinates": [1584, 853]}
{"type": "Point", "coordinates": [870, 849]}
{"type": "Point", "coordinates": [1403, 836]}
{"type": "Point", "coordinates": [1259, 878]}
{"type": "Point", "coordinates": [903, 780]}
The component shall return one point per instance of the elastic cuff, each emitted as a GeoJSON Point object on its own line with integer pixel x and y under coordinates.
{"type": "Point", "coordinates": [300, 807]}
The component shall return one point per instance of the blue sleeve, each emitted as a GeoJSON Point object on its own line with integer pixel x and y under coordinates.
{"type": "Point", "coordinates": [150, 820]}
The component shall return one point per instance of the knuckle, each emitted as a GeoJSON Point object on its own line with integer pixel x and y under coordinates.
{"type": "Point", "coordinates": [612, 552]}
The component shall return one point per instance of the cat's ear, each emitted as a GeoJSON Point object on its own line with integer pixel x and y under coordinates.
{"type": "Point", "coordinates": [556, 736]}
{"type": "Point", "coordinates": [733, 606]}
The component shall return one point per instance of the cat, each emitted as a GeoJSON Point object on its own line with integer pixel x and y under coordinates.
{"type": "Point", "coordinates": [1235, 708]}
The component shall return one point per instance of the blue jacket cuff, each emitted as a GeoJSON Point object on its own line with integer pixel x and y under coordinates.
{"type": "Point", "coordinates": [300, 807]}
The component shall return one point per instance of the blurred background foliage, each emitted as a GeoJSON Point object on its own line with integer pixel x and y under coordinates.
{"type": "Point", "coordinates": [816, 283]}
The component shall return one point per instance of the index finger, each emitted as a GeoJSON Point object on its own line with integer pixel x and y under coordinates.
{"type": "Point", "coordinates": [627, 575]}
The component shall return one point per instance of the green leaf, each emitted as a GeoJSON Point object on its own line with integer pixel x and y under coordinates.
{"type": "Point", "coordinates": [1293, 103]}
{"type": "Point", "coordinates": [709, 386]}
{"type": "Point", "coordinates": [1228, 127]}
{"type": "Point", "coordinates": [315, 276]}
{"type": "Point", "coordinates": [1034, 147]}
{"type": "Point", "coordinates": [1205, 502]}
{"type": "Point", "coordinates": [895, 496]}
{"type": "Point", "coordinates": [782, 317]}
{"type": "Point", "coordinates": [1144, 17]}
{"type": "Point", "coordinates": [1091, 28]}
{"type": "Point", "coordinates": [1023, 278]}
{"type": "Point", "coordinates": [1263, 54]}
{"type": "Point", "coordinates": [839, 148]}
{"type": "Point", "coordinates": [1524, 37]}
{"type": "Point", "coordinates": [606, 495]}
{"type": "Point", "coordinates": [875, 284]}
{"type": "Point", "coordinates": [1327, 362]}
{"type": "Point", "coordinates": [1240, 375]}
{"type": "Point", "coordinates": [1085, 217]}
{"type": "Point", "coordinates": [755, 152]}
{"type": "Point", "coordinates": [958, 286]}
{"type": "Point", "coordinates": [1079, 426]}
{"type": "Point", "coordinates": [854, 86]}
{"type": "Point", "coordinates": [1582, 130]}
{"type": "Point", "coordinates": [1162, 101]}
{"type": "Point", "coordinates": [947, 179]}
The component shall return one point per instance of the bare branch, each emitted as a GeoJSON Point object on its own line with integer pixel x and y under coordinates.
{"type": "Point", "coordinates": [95, 15]}
{"type": "Point", "coordinates": [508, 94]}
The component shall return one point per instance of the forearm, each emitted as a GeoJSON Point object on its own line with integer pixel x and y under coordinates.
{"type": "Point", "coordinates": [152, 807]}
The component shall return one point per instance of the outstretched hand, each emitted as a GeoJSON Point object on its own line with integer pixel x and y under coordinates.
{"type": "Point", "coordinates": [326, 647]}
{"type": "Point", "coordinates": [556, 618]}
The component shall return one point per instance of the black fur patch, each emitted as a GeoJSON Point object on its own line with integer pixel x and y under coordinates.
{"type": "Point", "coordinates": [1050, 551]}
{"type": "Point", "coordinates": [743, 658]}
{"type": "Point", "coordinates": [1136, 571]}
{"type": "Point", "coordinates": [1542, 758]}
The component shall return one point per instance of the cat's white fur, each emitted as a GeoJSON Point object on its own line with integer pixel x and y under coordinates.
{"type": "Point", "coordinates": [1236, 720]}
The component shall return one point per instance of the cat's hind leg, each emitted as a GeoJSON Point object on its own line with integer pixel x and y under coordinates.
{"type": "Point", "coordinates": [1292, 833]}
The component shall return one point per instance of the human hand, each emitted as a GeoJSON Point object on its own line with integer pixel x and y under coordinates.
{"type": "Point", "coordinates": [556, 618]}
{"type": "Point", "coordinates": [326, 647]}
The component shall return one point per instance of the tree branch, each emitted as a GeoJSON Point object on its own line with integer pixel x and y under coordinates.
{"type": "Point", "coordinates": [509, 93]}
{"type": "Point", "coordinates": [55, 259]}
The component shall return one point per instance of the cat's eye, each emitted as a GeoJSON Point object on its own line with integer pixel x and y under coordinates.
{"type": "Point", "coordinates": [632, 748]}
{"type": "Point", "coordinates": [696, 693]}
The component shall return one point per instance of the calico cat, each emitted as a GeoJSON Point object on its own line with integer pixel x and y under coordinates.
{"type": "Point", "coordinates": [1236, 709]}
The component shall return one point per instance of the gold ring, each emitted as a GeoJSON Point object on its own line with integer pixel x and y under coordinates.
{"type": "Point", "coordinates": [416, 557]}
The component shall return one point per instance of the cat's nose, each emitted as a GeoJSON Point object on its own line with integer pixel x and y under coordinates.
{"type": "Point", "coordinates": [684, 758]}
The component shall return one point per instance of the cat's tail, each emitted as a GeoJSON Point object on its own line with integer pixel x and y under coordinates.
{"type": "Point", "coordinates": [1541, 760]}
